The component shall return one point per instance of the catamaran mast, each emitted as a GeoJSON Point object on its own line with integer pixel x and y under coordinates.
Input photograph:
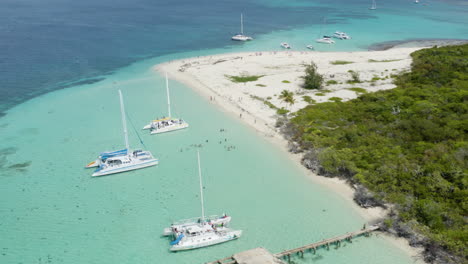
{"type": "Point", "coordinates": [242, 24]}
{"type": "Point", "coordinates": [201, 188]}
{"type": "Point", "coordinates": [168, 99]}
{"type": "Point", "coordinates": [124, 122]}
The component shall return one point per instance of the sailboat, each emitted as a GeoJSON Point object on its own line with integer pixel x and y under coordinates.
{"type": "Point", "coordinates": [241, 36]}
{"type": "Point", "coordinates": [374, 5]}
{"type": "Point", "coordinates": [166, 124]}
{"type": "Point", "coordinates": [125, 159]}
{"type": "Point", "coordinates": [325, 39]}
{"type": "Point", "coordinates": [203, 232]}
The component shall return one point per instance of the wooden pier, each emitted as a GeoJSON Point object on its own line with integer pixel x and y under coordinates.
{"type": "Point", "coordinates": [263, 256]}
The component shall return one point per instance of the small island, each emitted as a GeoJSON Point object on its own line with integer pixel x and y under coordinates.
{"type": "Point", "coordinates": [391, 123]}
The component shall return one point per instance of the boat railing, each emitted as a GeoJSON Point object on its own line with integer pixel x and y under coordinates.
{"type": "Point", "coordinates": [197, 219]}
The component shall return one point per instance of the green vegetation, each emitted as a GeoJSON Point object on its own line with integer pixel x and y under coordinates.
{"type": "Point", "coordinates": [354, 77]}
{"type": "Point", "coordinates": [266, 102]}
{"type": "Point", "coordinates": [282, 111]}
{"type": "Point", "coordinates": [244, 78]}
{"type": "Point", "coordinates": [308, 99]}
{"type": "Point", "coordinates": [375, 78]}
{"type": "Point", "coordinates": [340, 62]}
{"type": "Point", "coordinates": [335, 99]}
{"type": "Point", "coordinates": [286, 81]}
{"type": "Point", "coordinates": [260, 85]}
{"type": "Point", "coordinates": [320, 94]}
{"type": "Point", "coordinates": [357, 90]}
{"type": "Point", "coordinates": [329, 82]}
{"type": "Point", "coordinates": [312, 79]}
{"type": "Point", "coordinates": [408, 146]}
{"type": "Point", "coordinates": [287, 97]}
{"type": "Point", "coordinates": [382, 60]}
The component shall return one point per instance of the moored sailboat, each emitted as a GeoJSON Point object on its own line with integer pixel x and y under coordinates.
{"type": "Point", "coordinates": [125, 159]}
{"type": "Point", "coordinates": [241, 36]}
{"type": "Point", "coordinates": [204, 231]}
{"type": "Point", "coordinates": [166, 124]}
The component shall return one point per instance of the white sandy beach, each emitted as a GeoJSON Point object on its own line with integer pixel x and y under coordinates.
{"type": "Point", "coordinates": [283, 70]}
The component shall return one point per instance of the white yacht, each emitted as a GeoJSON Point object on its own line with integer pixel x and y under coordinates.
{"type": "Point", "coordinates": [341, 35]}
{"type": "Point", "coordinates": [166, 124]}
{"type": "Point", "coordinates": [285, 45]}
{"type": "Point", "coordinates": [325, 40]}
{"type": "Point", "coordinates": [203, 232]}
{"type": "Point", "coordinates": [416, 1]}
{"type": "Point", "coordinates": [310, 47]}
{"type": "Point", "coordinates": [122, 160]}
{"type": "Point", "coordinates": [241, 36]}
{"type": "Point", "coordinates": [374, 5]}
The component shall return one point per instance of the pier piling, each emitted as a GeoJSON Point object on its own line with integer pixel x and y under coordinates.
{"type": "Point", "coordinates": [262, 256]}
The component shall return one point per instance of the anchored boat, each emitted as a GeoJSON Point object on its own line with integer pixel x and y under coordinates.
{"type": "Point", "coordinates": [122, 160]}
{"type": "Point", "coordinates": [341, 35]}
{"type": "Point", "coordinates": [241, 36]}
{"type": "Point", "coordinates": [203, 232]}
{"type": "Point", "coordinates": [285, 45]}
{"type": "Point", "coordinates": [166, 124]}
{"type": "Point", "coordinates": [325, 40]}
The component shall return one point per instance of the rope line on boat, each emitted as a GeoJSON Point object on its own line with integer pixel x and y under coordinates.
{"type": "Point", "coordinates": [136, 131]}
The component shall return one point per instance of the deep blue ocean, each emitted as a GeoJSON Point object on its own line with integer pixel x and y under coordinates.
{"type": "Point", "coordinates": [51, 44]}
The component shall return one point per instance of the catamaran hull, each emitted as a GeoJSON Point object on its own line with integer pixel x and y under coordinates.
{"type": "Point", "coordinates": [234, 235]}
{"type": "Point", "coordinates": [325, 41]}
{"type": "Point", "coordinates": [93, 164]}
{"type": "Point", "coordinates": [241, 38]}
{"type": "Point", "coordinates": [142, 165]}
{"type": "Point", "coordinates": [169, 128]}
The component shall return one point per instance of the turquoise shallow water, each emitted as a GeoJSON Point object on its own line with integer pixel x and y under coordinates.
{"type": "Point", "coordinates": [52, 211]}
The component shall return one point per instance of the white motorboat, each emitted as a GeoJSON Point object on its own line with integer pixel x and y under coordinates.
{"type": "Point", "coordinates": [166, 124]}
{"type": "Point", "coordinates": [203, 232]}
{"type": "Point", "coordinates": [325, 40]}
{"type": "Point", "coordinates": [310, 47]}
{"type": "Point", "coordinates": [416, 1]}
{"type": "Point", "coordinates": [122, 160]}
{"type": "Point", "coordinates": [285, 45]}
{"type": "Point", "coordinates": [241, 36]}
{"type": "Point", "coordinates": [341, 35]}
{"type": "Point", "coordinates": [374, 5]}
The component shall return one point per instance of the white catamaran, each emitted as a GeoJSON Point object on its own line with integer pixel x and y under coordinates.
{"type": "Point", "coordinates": [169, 123]}
{"type": "Point", "coordinates": [374, 5]}
{"type": "Point", "coordinates": [241, 36]}
{"type": "Point", "coordinates": [122, 160]}
{"type": "Point", "coordinates": [325, 39]}
{"type": "Point", "coordinates": [204, 231]}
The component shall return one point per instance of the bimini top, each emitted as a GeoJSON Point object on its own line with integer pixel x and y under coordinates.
{"type": "Point", "coordinates": [110, 154]}
{"type": "Point", "coordinates": [161, 119]}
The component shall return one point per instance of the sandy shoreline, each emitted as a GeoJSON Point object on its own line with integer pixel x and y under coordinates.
{"type": "Point", "coordinates": [280, 71]}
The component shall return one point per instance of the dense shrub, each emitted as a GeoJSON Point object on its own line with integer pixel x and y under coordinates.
{"type": "Point", "coordinates": [312, 79]}
{"type": "Point", "coordinates": [408, 145]}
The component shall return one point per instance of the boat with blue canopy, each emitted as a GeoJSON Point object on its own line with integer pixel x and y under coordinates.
{"type": "Point", "coordinates": [122, 160]}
